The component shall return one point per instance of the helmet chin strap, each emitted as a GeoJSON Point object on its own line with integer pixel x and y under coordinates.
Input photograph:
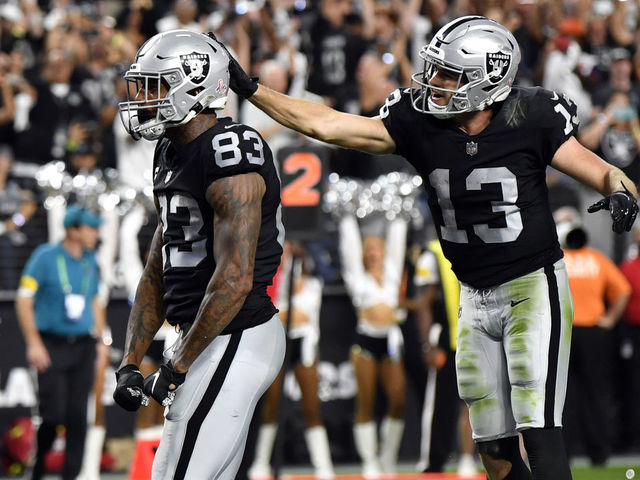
{"type": "Point", "coordinates": [153, 132]}
{"type": "Point", "coordinates": [156, 131]}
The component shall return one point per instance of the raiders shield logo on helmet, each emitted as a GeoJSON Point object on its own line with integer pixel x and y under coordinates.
{"type": "Point", "coordinates": [195, 66]}
{"type": "Point", "coordinates": [497, 66]}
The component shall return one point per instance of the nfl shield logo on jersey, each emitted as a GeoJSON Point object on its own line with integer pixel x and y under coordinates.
{"type": "Point", "coordinates": [497, 66]}
{"type": "Point", "coordinates": [195, 66]}
{"type": "Point", "coordinates": [472, 148]}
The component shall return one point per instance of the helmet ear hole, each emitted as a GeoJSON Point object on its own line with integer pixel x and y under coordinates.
{"type": "Point", "coordinates": [194, 92]}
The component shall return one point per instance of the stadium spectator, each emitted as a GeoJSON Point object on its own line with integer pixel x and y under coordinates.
{"type": "Point", "coordinates": [561, 72]}
{"type": "Point", "coordinates": [58, 105]}
{"type": "Point", "coordinates": [614, 134]}
{"type": "Point", "coordinates": [630, 353]}
{"type": "Point", "coordinates": [184, 15]}
{"type": "Point", "coordinates": [335, 53]}
{"type": "Point", "coordinates": [17, 206]}
{"type": "Point", "coordinates": [445, 418]}
{"type": "Point", "coordinates": [60, 318]}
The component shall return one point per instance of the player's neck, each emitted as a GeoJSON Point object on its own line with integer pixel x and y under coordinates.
{"type": "Point", "coordinates": [473, 123]}
{"type": "Point", "coordinates": [191, 130]}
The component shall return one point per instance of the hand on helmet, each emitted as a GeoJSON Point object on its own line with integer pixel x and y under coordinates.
{"type": "Point", "coordinates": [239, 81]}
{"type": "Point", "coordinates": [623, 208]}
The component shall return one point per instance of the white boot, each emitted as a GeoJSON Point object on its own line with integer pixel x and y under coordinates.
{"type": "Point", "coordinates": [261, 467]}
{"type": "Point", "coordinates": [92, 457]}
{"type": "Point", "coordinates": [467, 466]}
{"type": "Point", "coordinates": [391, 433]}
{"type": "Point", "coordinates": [318, 445]}
{"type": "Point", "coordinates": [366, 439]}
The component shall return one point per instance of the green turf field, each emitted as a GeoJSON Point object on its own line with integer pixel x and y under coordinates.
{"type": "Point", "coordinates": [606, 473]}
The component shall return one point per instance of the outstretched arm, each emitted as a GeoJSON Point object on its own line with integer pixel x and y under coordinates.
{"type": "Point", "coordinates": [147, 313]}
{"type": "Point", "coordinates": [324, 123]}
{"type": "Point", "coordinates": [237, 205]}
{"type": "Point", "coordinates": [311, 118]}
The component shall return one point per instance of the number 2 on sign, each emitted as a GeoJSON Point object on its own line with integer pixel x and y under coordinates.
{"type": "Point", "coordinates": [301, 192]}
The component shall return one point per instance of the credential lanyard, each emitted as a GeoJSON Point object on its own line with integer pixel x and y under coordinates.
{"type": "Point", "coordinates": [64, 277]}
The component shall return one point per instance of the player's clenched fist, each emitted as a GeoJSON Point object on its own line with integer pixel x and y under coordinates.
{"type": "Point", "coordinates": [162, 383]}
{"type": "Point", "coordinates": [128, 393]}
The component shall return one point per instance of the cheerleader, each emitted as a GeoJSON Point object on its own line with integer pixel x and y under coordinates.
{"type": "Point", "coordinates": [372, 272]}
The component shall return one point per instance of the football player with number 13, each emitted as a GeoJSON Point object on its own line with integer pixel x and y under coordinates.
{"type": "Point", "coordinates": [482, 146]}
{"type": "Point", "coordinates": [216, 248]}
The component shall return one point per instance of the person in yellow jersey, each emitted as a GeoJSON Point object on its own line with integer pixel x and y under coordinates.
{"type": "Point", "coordinates": [445, 418]}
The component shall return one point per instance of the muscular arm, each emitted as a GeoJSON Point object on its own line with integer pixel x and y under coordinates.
{"type": "Point", "coordinates": [237, 206]}
{"type": "Point", "coordinates": [324, 123]}
{"type": "Point", "coordinates": [588, 168]}
{"type": "Point", "coordinates": [147, 313]}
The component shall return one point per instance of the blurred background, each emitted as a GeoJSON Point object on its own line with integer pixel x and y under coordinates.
{"type": "Point", "coordinates": [61, 141]}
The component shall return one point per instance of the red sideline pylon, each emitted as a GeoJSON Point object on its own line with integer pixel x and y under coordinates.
{"type": "Point", "coordinates": [143, 458]}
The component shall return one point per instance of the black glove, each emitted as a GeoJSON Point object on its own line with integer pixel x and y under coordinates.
{"type": "Point", "coordinates": [162, 384]}
{"type": "Point", "coordinates": [128, 393]}
{"type": "Point", "coordinates": [622, 206]}
{"type": "Point", "coordinates": [239, 81]}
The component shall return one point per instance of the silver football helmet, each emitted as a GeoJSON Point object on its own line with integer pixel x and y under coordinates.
{"type": "Point", "coordinates": [482, 53]}
{"type": "Point", "coordinates": [175, 76]}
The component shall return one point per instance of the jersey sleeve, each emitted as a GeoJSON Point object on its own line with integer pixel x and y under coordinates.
{"type": "Point", "coordinates": [235, 150]}
{"type": "Point", "coordinates": [396, 114]}
{"type": "Point", "coordinates": [33, 273]}
{"type": "Point", "coordinates": [558, 115]}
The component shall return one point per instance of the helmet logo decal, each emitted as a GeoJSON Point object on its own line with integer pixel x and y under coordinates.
{"type": "Point", "coordinates": [497, 66]}
{"type": "Point", "coordinates": [195, 66]}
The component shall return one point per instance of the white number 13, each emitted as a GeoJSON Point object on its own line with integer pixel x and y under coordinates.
{"type": "Point", "coordinates": [439, 180]}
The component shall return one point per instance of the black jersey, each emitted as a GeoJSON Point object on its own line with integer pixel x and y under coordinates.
{"type": "Point", "coordinates": [182, 174]}
{"type": "Point", "coordinates": [487, 192]}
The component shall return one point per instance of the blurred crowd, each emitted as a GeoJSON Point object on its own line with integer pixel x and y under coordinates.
{"type": "Point", "coordinates": [61, 66]}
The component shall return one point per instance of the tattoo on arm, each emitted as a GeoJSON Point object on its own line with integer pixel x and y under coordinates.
{"type": "Point", "coordinates": [147, 313]}
{"type": "Point", "coordinates": [237, 206]}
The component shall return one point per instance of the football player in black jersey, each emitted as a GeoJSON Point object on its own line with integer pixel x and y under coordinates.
{"type": "Point", "coordinates": [215, 250]}
{"type": "Point", "coordinates": [482, 147]}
